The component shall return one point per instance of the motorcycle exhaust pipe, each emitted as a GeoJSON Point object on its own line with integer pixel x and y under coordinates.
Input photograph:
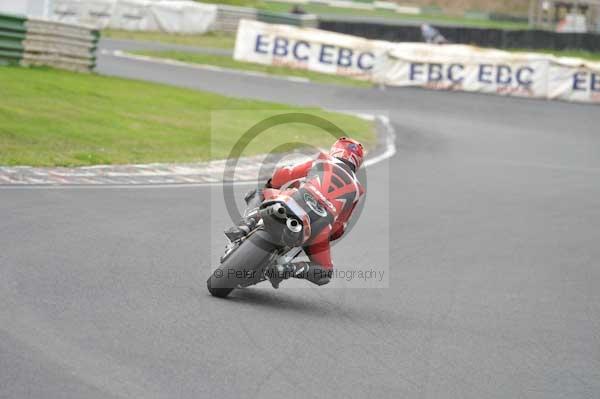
{"type": "Point", "coordinates": [276, 209]}
{"type": "Point", "coordinates": [280, 211]}
{"type": "Point", "coordinates": [293, 225]}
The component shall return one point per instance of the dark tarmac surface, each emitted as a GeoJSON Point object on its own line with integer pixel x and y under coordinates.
{"type": "Point", "coordinates": [493, 209]}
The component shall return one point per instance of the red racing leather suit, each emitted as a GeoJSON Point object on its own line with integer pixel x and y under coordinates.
{"type": "Point", "coordinates": [336, 187]}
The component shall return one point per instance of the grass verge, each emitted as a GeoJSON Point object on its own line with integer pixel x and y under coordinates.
{"type": "Point", "coordinates": [211, 39]}
{"type": "Point", "coordinates": [322, 9]}
{"type": "Point", "coordinates": [228, 62]}
{"type": "Point", "coordinates": [227, 41]}
{"type": "Point", "coordinates": [57, 118]}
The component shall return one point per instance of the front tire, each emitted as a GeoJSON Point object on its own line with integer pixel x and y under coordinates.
{"type": "Point", "coordinates": [218, 292]}
{"type": "Point", "coordinates": [243, 267]}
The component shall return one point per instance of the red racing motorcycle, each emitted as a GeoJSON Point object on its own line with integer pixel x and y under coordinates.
{"type": "Point", "coordinates": [289, 218]}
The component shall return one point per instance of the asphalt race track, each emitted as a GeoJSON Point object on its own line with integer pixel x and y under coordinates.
{"type": "Point", "coordinates": [493, 247]}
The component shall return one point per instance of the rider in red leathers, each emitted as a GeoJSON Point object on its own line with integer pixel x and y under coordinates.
{"type": "Point", "coordinates": [331, 179]}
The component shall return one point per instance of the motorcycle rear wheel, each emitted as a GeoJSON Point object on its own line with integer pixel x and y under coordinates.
{"type": "Point", "coordinates": [243, 267]}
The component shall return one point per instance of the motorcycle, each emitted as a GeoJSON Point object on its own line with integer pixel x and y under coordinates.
{"type": "Point", "coordinates": [289, 218]}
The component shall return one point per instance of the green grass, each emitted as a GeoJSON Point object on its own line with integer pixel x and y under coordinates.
{"type": "Point", "coordinates": [57, 118]}
{"type": "Point", "coordinates": [211, 39]}
{"type": "Point", "coordinates": [431, 17]}
{"type": "Point", "coordinates": [228, 62]}
{"type": "Point", "coordinates": [321, 9]}
{"type": "Point", "coordinates": [239, 3]}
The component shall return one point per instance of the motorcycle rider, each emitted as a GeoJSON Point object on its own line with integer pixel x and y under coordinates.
{"type": "Point", "coordinates": [332, 178]}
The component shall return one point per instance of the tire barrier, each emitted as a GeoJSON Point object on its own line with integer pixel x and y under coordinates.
{"type": "Point", "coordinates": [39, 42]}
{"type": "Point", "coordinates": [228, 17]}
{"type": "Point", "coordinates": [12, 34]}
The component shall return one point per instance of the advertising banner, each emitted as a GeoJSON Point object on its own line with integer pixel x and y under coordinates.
{"type": "Point", "coordinates": [465, 68]}
{"type": "Point", "coordinates": [571, 79]}
{"type": "Point", "coordinates": [307, 48]}
{"type": "Point", "coordinates": [439, 67]}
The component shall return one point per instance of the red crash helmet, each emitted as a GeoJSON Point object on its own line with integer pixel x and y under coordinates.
{"type": "Point", "coordinates": [348, 150]}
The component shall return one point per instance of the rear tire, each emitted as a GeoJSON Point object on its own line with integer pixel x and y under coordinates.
{"type": "Point", "coordinates": [243, 267]}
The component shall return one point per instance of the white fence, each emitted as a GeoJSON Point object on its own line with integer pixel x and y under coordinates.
{"type": "Point", "coordinates": [167, 16]}
{"type": "Point", "coordinates": [173, 16]}
{"type": "Point", "coordinates": [442, 67]}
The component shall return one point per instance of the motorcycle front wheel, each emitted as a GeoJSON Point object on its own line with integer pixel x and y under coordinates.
{"type": "Point", "coordinates": [244, 266]}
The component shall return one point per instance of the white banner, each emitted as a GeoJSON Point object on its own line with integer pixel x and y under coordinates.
{"type": "Point", "coordinates": [572, 79]}
{"type": "Point", "coordinates": [469, 68]}
{"type": "Point", "coordinates": [441, 67]}
{"type": "Point", "coordinates": [465, 68]}
{"type": "Point", "coordinates": [306, 48]}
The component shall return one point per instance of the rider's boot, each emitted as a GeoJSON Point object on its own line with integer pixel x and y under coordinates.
{"type": "Point", "coordinates": [253, 199]}
{"type": "Point", "coordinates": [277, 273]}
{"type": "Point", "coordinates": [244, 227]}
{"type": "Point", "coordinates": [310, 271]}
